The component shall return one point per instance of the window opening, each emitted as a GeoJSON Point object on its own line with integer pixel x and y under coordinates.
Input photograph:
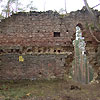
{"type": "Point", "coordinates": [56, 34]}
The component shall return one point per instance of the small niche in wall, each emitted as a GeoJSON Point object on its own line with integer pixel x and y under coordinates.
{"type": "Point", "coordinates": [29, 50]}
{"type": "Point", "coordinates": [12, 50]}
{"type": "Point", "coordinates": [67, 31]}
{"type": "Point", "coordinates": [61, 59]}
{"type": "Point", "coordinates": [90, 42]}
{"type": "Point", "coordinates": [38, 31]}
{"type": "Point", "coordinates": [59, 51]}
{"type": "Point", "coordinates": [96, 50]}
{"type": "Point", "coordinates": [56, 34]}
{"type": "Point", "coordinates": [17, 50]}
{"type": "Point", "coordinates": [40, 73]}
{"type": "Point", "coordinates": [54, 50]}
{"type": "Point", "coordinates": [1, 51]}
{"type": "Point", "coordinates": [39, 51]}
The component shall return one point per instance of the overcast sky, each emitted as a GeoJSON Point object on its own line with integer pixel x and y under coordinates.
{"type": "Point", "coordinates": [71, 5]}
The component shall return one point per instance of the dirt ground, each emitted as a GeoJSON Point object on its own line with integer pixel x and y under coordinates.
{"type": "Point", "coordinates": [48, 90]}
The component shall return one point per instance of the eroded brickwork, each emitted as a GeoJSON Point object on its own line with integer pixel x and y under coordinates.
{"type": "Point", "coordinates": [33, 67]}
{"type": "Point", "coordinates": [44, 40]}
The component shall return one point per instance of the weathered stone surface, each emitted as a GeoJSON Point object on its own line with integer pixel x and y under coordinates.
{"type": "Point", "coordinates": [31, 35]}
{"type": "Point", "coordinates": [33, 66]}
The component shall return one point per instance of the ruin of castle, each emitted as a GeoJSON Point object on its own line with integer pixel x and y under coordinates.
{"type": "Point", "coordinates": [39, 45]}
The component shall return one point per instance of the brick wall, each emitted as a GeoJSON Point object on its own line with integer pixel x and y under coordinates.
{"type": "Point", "coordinates": [33, 67]}
{"type": "Point", "coordinates": [44, 40]}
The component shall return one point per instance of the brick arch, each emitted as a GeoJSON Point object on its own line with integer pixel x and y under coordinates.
{"type": "Point", "coordinates": [80, 25]}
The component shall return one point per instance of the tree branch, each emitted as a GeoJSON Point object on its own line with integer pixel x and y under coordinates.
{"type": "Point", "coordinates": [93, 35]}
{"type": "Point", "coordinates": [92, 15]}
{"type": "Point", "coordinates": [96, 5]}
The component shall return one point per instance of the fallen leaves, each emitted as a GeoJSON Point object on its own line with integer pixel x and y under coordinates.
{"type": "Point", "coordinates": [28, 94]}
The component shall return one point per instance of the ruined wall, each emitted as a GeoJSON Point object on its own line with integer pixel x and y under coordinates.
{"type": "Point", "coordinates": [33, 29]}
{"type": "Point", "coordinates": [33, 67]}
{"type": "Point", "coordinates": [93, 51]}
{"type": "Point", "coordinates": [44, 40]}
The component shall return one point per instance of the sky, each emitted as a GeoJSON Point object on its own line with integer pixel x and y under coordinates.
{"type": "Point", "coordinates": [71, 5]}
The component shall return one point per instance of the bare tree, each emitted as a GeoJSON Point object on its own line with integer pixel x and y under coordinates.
{"type": "Point", "coordinates": [94, 19]}
{"type": "Point", "coordinates": [31, 7]}
{"type": "Point", "coordinates": [92, 15]}
{"type": "Point", "coordinates": [65, 7]}
{"type": "Point", "coordinates": [12, 6]}
{"type": "Point", "coordinates": [1, 0]}
{"type": "Point", "coordinates": [8, 9]}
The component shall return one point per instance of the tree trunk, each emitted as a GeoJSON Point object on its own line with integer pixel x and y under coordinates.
{"type": "Point", "coordinates": [92, 15]}
{"type": "Point", "coordinates": [94, 19]}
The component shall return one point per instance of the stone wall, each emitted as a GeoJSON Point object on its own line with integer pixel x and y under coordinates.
{"type": "Point", "coordinates": [33, 67]}
{"type": "Point", "coordinates": [35, 29]}
{"type": "Point", "coordinates": [41, 28]}
{"type": "Point", "coordinates": [44, 41]}
{"type": "Point", "coordinates": [37, 63]}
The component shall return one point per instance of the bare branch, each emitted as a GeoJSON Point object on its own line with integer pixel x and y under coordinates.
{"type": "Point", "coordinates": [93, 35]}
{"type": "Point", "coordinates": [96, 5]}
{"type": "Point", "coordinates": [92, 15]}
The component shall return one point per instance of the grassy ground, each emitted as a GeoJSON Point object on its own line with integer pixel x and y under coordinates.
{"type": "Point", "coordinates": [48, 90]}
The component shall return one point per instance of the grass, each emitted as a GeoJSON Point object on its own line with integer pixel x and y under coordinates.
{"type": "Point", "coordinates": [55, 89]}
{"type": "Point", "coordinates": [26, 89]}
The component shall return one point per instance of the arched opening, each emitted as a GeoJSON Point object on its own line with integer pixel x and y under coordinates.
{"type": "Point", "coordinates": [80, 25]}
{"type": "Point", "coordinates": [81, 69]}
